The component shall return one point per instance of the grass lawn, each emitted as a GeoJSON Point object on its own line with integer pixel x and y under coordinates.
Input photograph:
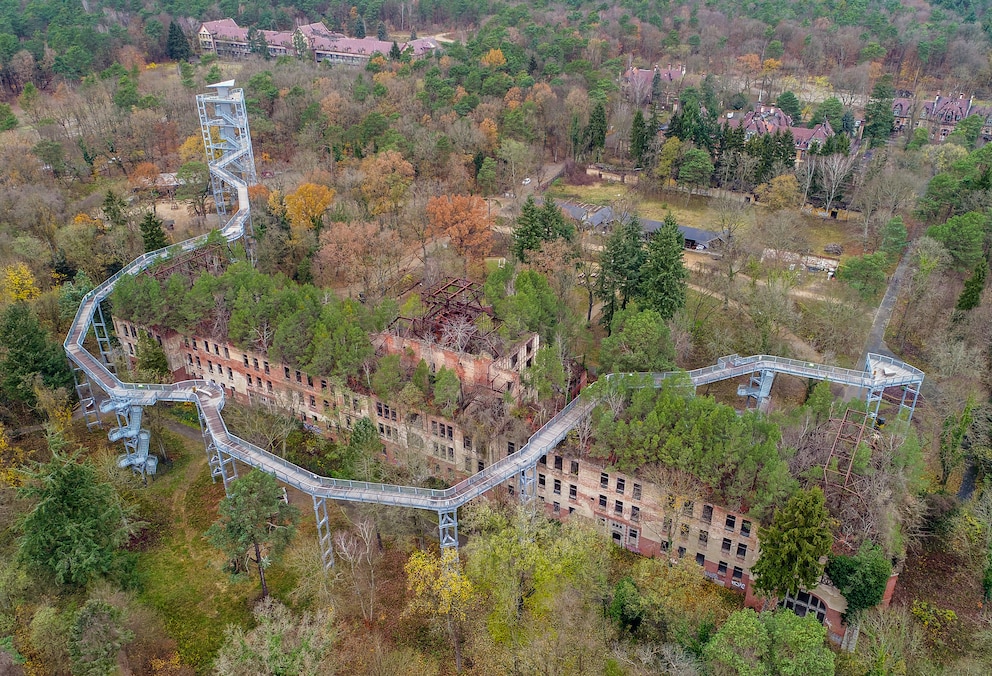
{"type": "Point", "coordinates": [181, 575]}
{"type": "Point", "coordinates": [700, 212]}
{"type": "Point", "coordinates": [697, 213]}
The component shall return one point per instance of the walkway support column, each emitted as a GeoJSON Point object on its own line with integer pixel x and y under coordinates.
{"type": "Point", "coordinates": [324, 539]}
{"type": "Point", "coordinates": [447, 526]}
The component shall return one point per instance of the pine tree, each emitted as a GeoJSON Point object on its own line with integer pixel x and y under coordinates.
{"type": "Point", "coordinates": [25, 352]}
{"type": "Point", "coordinates": [358, 28]}
{"type": "Point", "coordinates": [538, 225]}
{"type": "Point", "coordinates": [113, 209]}
{"type": "Point", "coordinates": [177, 45]}
{"type": "Point", "coordinates": [152, 233]}
{"type": "Point", "coordinates": [639, 138]}
{"type": "Point", "coordinates": [394, 52]}
{"type": "Point", "coordinates": [620, 266]}
{"type": "Point", "coordinates": [254, 517]}
{"type": "Point", "coordinates": [77, 523]}
{"type": "Point", "coordinates": [879, 119]}
{"type": "Point", "coordinates": [663, 276]}
{"type": "Point", "coordinates": [596, 131]}
{"type": "Point", "coordinates": [380, 32]}
{"type": "Point", "coordinates": [527, 234]}
{"type": "Point", "coordinates": [971, 296]}
{"type": "Point", "coordinates": [792, 546]}
{"type": "Point", "coordinates": [789, 104]}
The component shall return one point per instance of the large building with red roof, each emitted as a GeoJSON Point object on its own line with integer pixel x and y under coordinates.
{"type": "Point", "coordinates": [226, 38]}
{"type": "Point", "coordinates": [772, 120]}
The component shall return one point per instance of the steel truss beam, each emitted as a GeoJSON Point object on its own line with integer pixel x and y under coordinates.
{"type": "Point", "coordinates": [447, 526]}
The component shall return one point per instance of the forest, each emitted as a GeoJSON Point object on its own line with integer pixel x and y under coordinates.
{"type": "Point", "coordinates": [379, 181]}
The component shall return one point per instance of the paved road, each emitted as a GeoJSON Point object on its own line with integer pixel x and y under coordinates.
{"type": "Point", "coordinates": [876, 337]}
{"type": "Point", "coordinates": [875, 343]}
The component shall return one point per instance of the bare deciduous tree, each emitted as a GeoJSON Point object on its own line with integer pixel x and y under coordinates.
{"type": "Point", "coordinates": [358, 556]}
{"type": "Point", "coordinates": [833, 170]}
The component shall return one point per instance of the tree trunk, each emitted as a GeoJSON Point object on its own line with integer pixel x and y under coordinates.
{"type": "Point", "coordinates": [261, 571]}
{"type": "Point", "coordinates": [456, 644]}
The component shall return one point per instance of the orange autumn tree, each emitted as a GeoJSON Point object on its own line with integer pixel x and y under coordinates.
{"type": "Point", "coordinates": [464, 220]}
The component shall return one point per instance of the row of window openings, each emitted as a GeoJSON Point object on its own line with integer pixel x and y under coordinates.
{"type": "Point", "coordinates": [258, 382]}
{"type": "Point", "coordinates": [721, 569]}
{"type": "Point", "coordinates": [604, 478]}
{"type": "Point", "coordinates": [254, 364]}
{"type": "Point", "coordinates": [134, 334]}
{"type": "Point", "coordinates": [729, 524]}
{"type": "Point", "coordinates": [620, 485]}
{"type": "Point", "coordinates": [206, 347]}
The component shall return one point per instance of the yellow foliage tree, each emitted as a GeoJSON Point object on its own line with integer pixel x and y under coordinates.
{"type": "Point", "coordinates": [86, 220]}
{"type": "Point", "coordinates": [54, 404]}
{"type": "Point", "coordinates": [513, 98]}
{"type": "Point", "coordinates": [306, 206]}
{"type": "Point", "coordinates": [679, 596]}
{"type": "Point", "coordinates": [441, 593]}
{"type": "Point", "coordinates": [276, 205]}
{"type": "Point", "coordinates": [494, 58]}
{"type": "Point", "coordinates": [18, 283]}
{"type": "Point", "coordinates": [191, 150]}
{"type": "Point", "coordinates": [782, 192]}
{"type": "Point", "coordinates": [387, 178]}
{"type": "Point", "coordinates": [12, 458]}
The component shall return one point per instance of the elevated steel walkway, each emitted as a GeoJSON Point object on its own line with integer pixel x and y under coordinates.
{"type": "Point", "coordinates": [223, 448]}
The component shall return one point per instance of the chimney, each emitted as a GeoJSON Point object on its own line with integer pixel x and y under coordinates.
{"type": "Point", "coordinates": [669, 66]}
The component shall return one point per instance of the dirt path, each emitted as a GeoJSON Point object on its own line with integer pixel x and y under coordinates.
{"type": "Point", "coordinates": [190, 472]}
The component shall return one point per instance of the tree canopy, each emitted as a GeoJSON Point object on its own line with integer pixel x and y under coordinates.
{"type": "Point", "coordinates": [253, 518]}
{"type": "Point", "coordinates": [639, 341]}
{"type": "Point", "coordinates": [776, 643]}
{"type": "Point", "coordinates": [296, 324]}
{"type": "Point", "coordinates": [663, 276]}
{"type": "Point", "coordinates": [792, 546]}
{"type": "Point", "coordinates": [735, 456]}
{"type": "Point", "coordinates": [77, 523]}
{"type": "Point", "coordinates": [537, 225]}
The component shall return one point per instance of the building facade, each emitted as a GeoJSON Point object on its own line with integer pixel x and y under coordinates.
{"type": "Point", "coordinates": [772, 120]}
{"type": "Point", "coordinates": [451, 450]}
{"type": "Point", "coordinates": [227, 39]}
{"type": "Point", "coordinates": [940, 115]}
